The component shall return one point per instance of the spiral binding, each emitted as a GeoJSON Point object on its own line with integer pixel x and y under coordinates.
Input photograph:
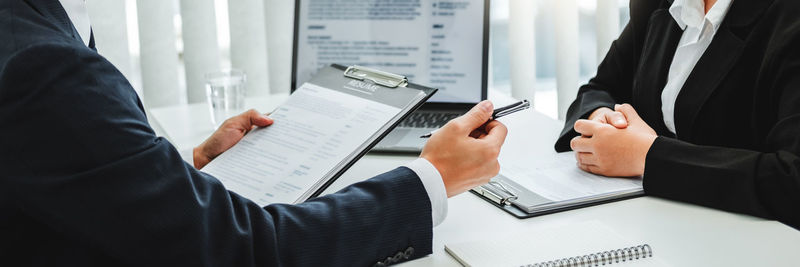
{"type": "Point", "coordinates": [601, 258]}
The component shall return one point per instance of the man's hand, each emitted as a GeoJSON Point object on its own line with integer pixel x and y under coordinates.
{"type": "Point", "coordinates": [608, 116]}
{"type": "Point", "coordinates": [605, 150]}
{"type": "Point", "coordinates": [227, 135]}
{"type": "Point", "coordinates": [465, 150]}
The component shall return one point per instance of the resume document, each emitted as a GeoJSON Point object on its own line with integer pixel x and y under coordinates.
{"type": "Point", "coordinates": [318, 132]}
{"type": "Point", "coordinates": [313, 131]}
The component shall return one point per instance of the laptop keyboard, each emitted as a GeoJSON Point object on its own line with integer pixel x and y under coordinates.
{"type": "Point", "coordinates": [428, 119]}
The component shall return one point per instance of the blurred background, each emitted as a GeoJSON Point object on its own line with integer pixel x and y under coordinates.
{"type": "Point", "coordinates": [164, 46]}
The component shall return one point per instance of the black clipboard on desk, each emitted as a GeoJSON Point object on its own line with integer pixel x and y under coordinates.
{"type": "Point", "coordinates": [325, 126]}
{"type": "Point", "coordinates": [512, 197]}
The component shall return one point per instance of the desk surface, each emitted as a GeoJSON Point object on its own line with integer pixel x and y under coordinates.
{"type": "Point", "coordinates": [681, 234]}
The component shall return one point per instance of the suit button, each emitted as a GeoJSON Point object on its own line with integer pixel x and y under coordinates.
{"type": "Point", "coordinates": [409, 252]}
{"type": "Point", "coordinates": [379, 264]}
{"type": "Point", "coordinates": [399, 256]}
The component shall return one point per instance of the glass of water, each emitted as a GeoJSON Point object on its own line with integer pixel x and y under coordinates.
{"type": "Point", "coordinates": [225, 92]}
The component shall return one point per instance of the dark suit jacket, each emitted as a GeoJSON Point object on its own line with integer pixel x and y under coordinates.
{"type": "Point", "coordinates": [85, 182]}
{"type": "Point", "coordinates": [737, 117]}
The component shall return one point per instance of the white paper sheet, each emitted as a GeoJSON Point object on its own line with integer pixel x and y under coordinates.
{"type": "Point", "coordinates": [312, 133]}
{"type": "Point", "coordinates": [560, 179]}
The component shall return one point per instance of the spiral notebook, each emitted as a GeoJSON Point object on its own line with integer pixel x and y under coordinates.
{"type": "Point", "coordinates": [583, 244]}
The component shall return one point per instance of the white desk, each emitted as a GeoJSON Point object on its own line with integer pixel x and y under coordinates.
{"type": "Point", "coordinates": [681, 234]}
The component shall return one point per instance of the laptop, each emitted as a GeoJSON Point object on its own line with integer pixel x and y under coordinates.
{"type": "Point", "coordinates": [441, 44]}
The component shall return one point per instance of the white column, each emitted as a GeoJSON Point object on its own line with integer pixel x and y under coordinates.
{"type": "Point", "coordinates": [109, 26]}
{"type": "Point", "coordinates": [567, 68]}
{"type": "Point", "coordinates": [280, 33]}
{"type": "Point", "coordinates": [200, 50]}
{"type": "Point", "coordinates": [607, 23]}
{"type": "Point", "coordinates": [522, 42]}
{"type": "Point", "coordinates": [249, 43]}
{"type": "Point", "coordinates": [159, 57]}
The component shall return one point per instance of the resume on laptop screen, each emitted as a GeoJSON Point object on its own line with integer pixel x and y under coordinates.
{"type": "Point", "coordinates": [435, 43]}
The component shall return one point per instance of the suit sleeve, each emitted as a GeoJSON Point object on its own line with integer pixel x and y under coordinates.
{"type": "Point", "coordinates": [80, 157]}
{"type": "Point", "coordinates": [764, 183]}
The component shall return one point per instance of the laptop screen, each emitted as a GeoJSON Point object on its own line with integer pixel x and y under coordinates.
{"type": "Point", "coordinates": [441, 44]}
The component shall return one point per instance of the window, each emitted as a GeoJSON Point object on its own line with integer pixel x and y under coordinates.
{"type": "Point", "coordinates": [546, 98]}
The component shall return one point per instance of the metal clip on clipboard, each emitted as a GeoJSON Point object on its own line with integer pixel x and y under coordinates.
{"type": "Point", "coordinates": [383, 78]}
{"type": "Point", "coordinates": [497, 192]}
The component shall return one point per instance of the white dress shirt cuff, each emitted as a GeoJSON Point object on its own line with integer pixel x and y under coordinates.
{"type": "Point", "coordinates": [432, 181]}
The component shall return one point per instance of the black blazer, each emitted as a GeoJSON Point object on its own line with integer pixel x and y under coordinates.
{"type": "Point", "coordinates": [737, 117]}
{"type": "Point", "coordinates": [85, 182]}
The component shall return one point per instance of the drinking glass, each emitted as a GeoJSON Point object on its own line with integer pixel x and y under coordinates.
{"type": "Point", "coordinates": [225, 92]}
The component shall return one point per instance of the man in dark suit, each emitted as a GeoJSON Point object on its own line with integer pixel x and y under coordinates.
{"type": "Point", "coordinates": [714, 113]}
{"type": "Point", "coordinates": [85, 182]}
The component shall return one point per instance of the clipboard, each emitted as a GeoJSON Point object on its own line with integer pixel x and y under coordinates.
{"type": "Point", "coordinates": [515, 199]}
{"type": "Point", "coordinates": [387, 80]}
{"type": "Point", "coordinates": [337, 117]}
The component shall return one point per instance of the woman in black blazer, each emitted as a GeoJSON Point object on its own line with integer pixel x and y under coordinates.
{"type": "Point", "coordinates": [736, 144]}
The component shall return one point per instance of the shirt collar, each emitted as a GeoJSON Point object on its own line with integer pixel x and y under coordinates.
{"type": "Point", "coordinates": [691, 13]}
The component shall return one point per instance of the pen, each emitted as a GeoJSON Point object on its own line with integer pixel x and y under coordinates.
{"type": "Point", "coordinates": [499, 112]}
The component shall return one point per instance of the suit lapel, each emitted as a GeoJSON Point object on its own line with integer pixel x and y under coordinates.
{"type": "Point", "coordinates": [53, 10]}
{"type": "Point", "coordinates": [720, 57]}
{"type": "Point", "coordinates": [718, 60]}
{"type": "Point", "coordinates": [663, 35]}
